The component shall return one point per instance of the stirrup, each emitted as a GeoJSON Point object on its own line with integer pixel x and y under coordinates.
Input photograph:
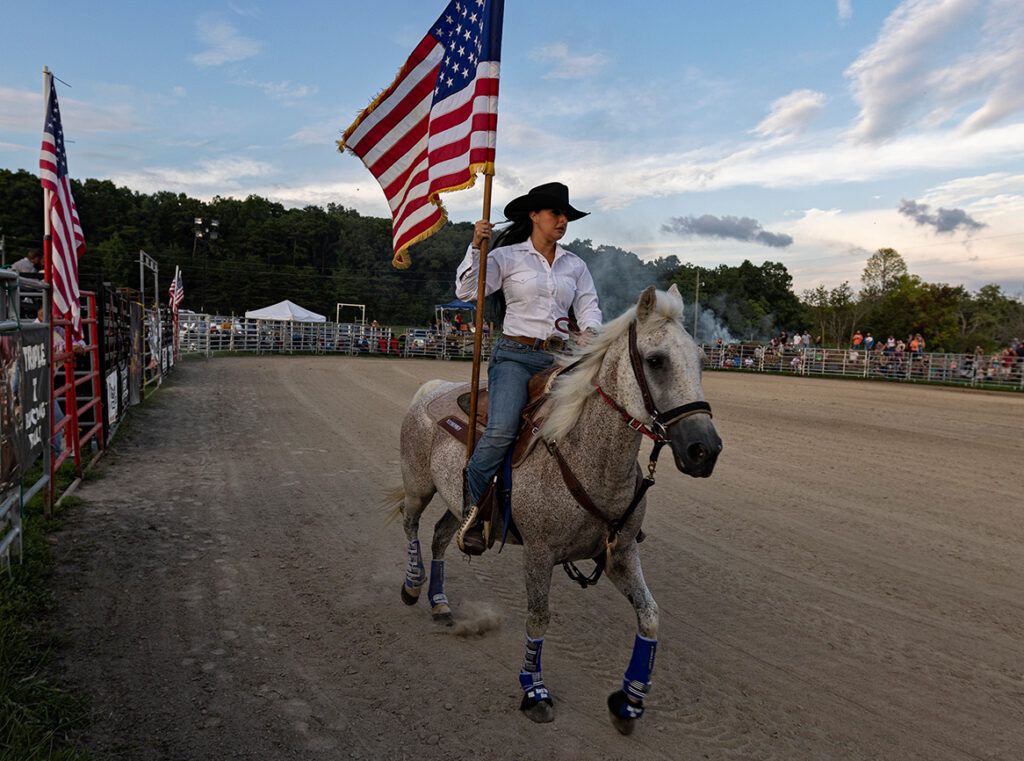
{"type": "Point", "coordinates": [471, 537]}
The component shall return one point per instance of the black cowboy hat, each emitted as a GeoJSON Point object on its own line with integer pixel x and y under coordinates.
{"type": "Point", "coordinates": [551, 195]}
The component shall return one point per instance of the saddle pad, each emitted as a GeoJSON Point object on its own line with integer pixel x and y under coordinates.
{"type": "Point", "coordinates": [450, 412]}
{"type": "Point", "coordinates": [447, 405]}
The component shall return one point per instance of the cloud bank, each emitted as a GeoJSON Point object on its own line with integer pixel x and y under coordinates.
{"type": "Point", "coordinates": [732, 228]}
{"type": "Point", "coordinates": [943, 220]}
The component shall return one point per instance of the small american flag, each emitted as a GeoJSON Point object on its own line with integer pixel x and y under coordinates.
{"type": "Point", "coordinates": [67, 241]}
{"type": "Point", "coordinates": [176, 293]}
{"type": "Point", "coordinates": [435, 126]}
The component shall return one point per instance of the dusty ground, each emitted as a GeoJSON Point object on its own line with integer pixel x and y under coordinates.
{"type": "Point", "coordinates": [848, 585]}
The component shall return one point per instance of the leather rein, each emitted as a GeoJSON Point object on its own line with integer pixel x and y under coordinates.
{"type": "Point", "coordinates": [657, 432]}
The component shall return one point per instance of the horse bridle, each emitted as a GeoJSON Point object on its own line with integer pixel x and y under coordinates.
{"type": "Point", "coordinates": [660, 423]}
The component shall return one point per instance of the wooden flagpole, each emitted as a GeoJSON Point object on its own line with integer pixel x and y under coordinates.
{"type": "Point", "coordinates": [478, 322]}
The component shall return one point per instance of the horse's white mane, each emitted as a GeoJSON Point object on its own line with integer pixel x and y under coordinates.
{"type": "Point", "coordinates": [569, 392]}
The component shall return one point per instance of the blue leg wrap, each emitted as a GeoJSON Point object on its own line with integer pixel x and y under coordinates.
{"type": "Point", "coordinates": [637, 681]}
{"type": "Point", "coordinates": [415, 574]}
{"type": "Point", "coordinates": [435, 592]}
{"type": "Point", "coordinates": [530, 678]}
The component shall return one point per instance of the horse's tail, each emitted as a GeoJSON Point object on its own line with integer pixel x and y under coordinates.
{"type": "Point", "coordinates": [392, 504]}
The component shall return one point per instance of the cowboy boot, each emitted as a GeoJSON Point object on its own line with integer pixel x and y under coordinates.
{"type": "Point", "coordinates": [470, 536]}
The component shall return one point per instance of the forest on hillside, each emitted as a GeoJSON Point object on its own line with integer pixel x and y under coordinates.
{"type": "Point", "coordinates": [319, 257]}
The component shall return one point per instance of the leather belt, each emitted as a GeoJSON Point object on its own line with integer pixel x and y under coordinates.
{"type": "Point", "coordinates": [555, 343]}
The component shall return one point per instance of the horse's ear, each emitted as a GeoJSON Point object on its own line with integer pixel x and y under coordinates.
{"type": "Point", "coordinates": [674, 290]}
{"type": "Point", "coordinates": [646, 304]}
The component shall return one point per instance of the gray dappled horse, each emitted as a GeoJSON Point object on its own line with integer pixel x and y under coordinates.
{"type": "Point", "coordinates": [598, 412]}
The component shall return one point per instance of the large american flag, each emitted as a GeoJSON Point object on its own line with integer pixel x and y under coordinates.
{"type": "Point", "coordinates": [67, 242]}
{"type": "Point", "coordinates": [435, 126]}
{"type": "Point", "coordinates": [176, 293]}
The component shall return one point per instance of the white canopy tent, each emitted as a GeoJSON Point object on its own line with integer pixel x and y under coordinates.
{"type": "Point", "coordinates": [285, 311]}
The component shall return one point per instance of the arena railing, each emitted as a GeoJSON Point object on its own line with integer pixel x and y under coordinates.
{"type": "Point", "coordinates": [988, 370]}
{"type": "Point", "coordinates": [206, 334]}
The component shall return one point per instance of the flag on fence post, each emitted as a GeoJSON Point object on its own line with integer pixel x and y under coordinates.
{"type": "Point", "coordinates": [434, 127]}
{"type": "Point", "coordinates": [175, 295]}
{"type": "Point", "coordinates": [66, 241]}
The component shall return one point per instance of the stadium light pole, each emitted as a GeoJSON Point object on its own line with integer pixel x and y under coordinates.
{"type": "Point", "coordinates": [208, 230]}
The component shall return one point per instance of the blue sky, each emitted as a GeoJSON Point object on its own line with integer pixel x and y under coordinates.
{"type": "Point", "coordinates": [810, 133]}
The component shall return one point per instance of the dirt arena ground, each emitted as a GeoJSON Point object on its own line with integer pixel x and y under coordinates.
{"type": "Point", "coordinates": [848, 585]}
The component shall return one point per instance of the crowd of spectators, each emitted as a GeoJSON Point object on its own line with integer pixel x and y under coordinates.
{"type": "Point", "coordinates": [799, 353]}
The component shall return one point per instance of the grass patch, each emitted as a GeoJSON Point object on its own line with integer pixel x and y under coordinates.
{"type": "Point", "coordinates": [37, 718]}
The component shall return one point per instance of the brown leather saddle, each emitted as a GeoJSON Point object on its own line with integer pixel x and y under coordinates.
{"type": "Point", "coordinates": [529, 428]}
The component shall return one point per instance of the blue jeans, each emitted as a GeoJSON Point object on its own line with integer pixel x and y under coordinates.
{"type": "Point", "coordinates": [508, 374]}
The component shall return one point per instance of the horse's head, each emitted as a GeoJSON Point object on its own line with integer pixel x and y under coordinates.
{"type": "Point", "coordinates": [661, 381]}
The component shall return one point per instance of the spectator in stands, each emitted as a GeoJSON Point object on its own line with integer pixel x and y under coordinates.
{"type": "Point", "coordinates": [858, 339]}
{"type": "Point", "coordinates": [869, 342]}
{"type": "Point", "coordinates": [807, 339]}
{"type": "Point", "coordinates": [797, 339]}
{"type": "Point", "coordinates": [30, 265]}
{"type": "Point", "coordinates": [890, 344]}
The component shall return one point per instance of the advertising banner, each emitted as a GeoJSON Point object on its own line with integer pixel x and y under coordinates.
{"type": "Point", "coordinates": [34, 391]}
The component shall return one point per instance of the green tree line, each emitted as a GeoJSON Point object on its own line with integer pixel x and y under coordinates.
{"type": "Point", "coordinates": [319, 257]}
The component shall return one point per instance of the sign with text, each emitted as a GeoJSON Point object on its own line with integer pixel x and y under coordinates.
{"type": "Point", "coordinates": [34, 391]}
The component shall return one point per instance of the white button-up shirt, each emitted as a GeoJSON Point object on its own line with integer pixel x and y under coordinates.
{"type": "Point", "coordinates": [536, 293]}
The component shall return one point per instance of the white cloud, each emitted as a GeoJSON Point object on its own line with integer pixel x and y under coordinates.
{"type": "Point", "coordinates": [615, 178]}
{"type": "Point", "coordinates": [22, 111]}
{"type": "Point", "coordinates": [206, 178]}
{"type": "Point", "coordinates": [178, 91]}
{"type": "Point", "coordinates": [283, 91]}
{"type": "Point", "coordinates": [977, 191]}
{"type": "Point", "coordinates": [567, 66]}
{"type": "Point", "coordinates": [320, 133]}
{"type": "Point", "coordinates": [224, 43]}
{"type": "Point", "coordinates": [791, 113]}
{"type": "Point", "coordinates": [845, 9]}
{"type": "Point", "coordinates": [909, 74]}
{"type": "Point", "coordinates": [13, 147]}
{"type": "Point", "coordinates": [833, 245]}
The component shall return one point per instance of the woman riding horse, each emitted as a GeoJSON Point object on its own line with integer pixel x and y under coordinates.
{"type": "Point", "coordinates": [540, 281]}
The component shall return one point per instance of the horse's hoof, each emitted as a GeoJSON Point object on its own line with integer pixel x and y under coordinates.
{"type": "Point", "coordinates": [410, 598]}
{"type": "Point", "coordinates": [624, 712]}
{"type": "Point", "coordinates": [442, 614]}
{"type": "Point", "coordinates": [541, 711]}
{"type": "Point", "coordinates": [625, 726]}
